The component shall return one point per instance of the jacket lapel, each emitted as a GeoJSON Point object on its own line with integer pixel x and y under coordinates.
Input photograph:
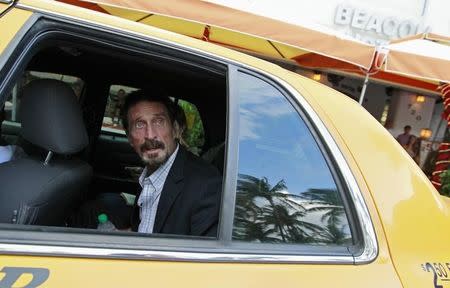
{"type": "Point", "coordinates": [171, 190]}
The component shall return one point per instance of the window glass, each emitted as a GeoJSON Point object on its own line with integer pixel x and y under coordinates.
{"type": "Point", "coordinates": [194, 135]}
{"type": "Point", "coordinates": [285, 190]}
{"type": "Point", "coordinates": [112, 121]}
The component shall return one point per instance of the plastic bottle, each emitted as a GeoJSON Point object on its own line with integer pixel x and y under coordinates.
{"type": "Point", "coordinates": [104, 224]}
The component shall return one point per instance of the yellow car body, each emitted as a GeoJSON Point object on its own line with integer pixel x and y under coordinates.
{"type": "Point", "coordinates": [408, 222]}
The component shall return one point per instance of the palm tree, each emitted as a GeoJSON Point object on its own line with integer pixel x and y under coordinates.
{"type": "Point", "coordinates": [255, 231]}
{"type": "Point", "coordinates": [328, 202]}
{"type": "Point", "coordinates": [289, 224]}
{"type": "Point", "coordinates": [267, 213]}
{"type": "Point", "coordinates": [336, 235]}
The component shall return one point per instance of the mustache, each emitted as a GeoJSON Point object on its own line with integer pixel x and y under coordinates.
{"type": "Point", "coordinates": [150, 144]}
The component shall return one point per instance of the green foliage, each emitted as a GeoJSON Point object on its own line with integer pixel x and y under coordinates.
{"type": "Point", "coordinates": [445, 180]}
{"type": "Point", "coordinates": [194, 135]}
{"type": "Point", "coordinates": [267, 213]}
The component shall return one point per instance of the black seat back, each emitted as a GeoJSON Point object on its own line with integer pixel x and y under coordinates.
{"type": "Point", "coordinates": [45, 190]}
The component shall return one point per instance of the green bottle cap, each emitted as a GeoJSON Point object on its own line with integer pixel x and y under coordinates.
{"type": "Point", "coordinates": [102, 218]}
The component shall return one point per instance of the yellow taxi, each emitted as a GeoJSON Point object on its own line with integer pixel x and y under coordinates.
{"type": "Point", "coordinates": [316, 193]}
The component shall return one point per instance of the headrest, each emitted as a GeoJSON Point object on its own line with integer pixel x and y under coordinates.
{"type": "Point", "coordinates": [52, 118]}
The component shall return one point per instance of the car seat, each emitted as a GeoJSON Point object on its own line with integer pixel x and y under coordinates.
{"type": "Point", "coordinates": [215, 156]}
{"type": "Point", "coordinates": [45, 190]}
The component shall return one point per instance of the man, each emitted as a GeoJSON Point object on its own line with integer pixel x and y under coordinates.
{"type": "Point", "coordinates": [180, 193]}
{"type": "Point", "coordinates": [405, 138]}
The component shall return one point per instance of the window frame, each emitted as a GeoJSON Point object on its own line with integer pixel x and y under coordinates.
{"type": "Point", "coordinates": [325, 152]}
{"type": "Point", "coordinates": [365, 247]}
{"type": "Point", "coordinates": [35, 240]}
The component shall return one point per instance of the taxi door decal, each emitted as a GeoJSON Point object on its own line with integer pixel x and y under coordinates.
{"type": "Point", "coordinates": [440, 271]}
{"type": "Point", "coordinates": [12, 274]}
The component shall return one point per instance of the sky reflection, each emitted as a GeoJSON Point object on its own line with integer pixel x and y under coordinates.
{"type": "Point", "coordinates": [274, 141]}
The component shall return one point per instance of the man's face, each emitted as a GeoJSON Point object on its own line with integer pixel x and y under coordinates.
{"type": "Point", "coordinates": [407, 130]}
{"type": "Point", "coordinates": [151, 133]}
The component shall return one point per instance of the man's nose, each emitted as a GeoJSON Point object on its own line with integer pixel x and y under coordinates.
{"type": "Point", "coordinates": [150, 132]}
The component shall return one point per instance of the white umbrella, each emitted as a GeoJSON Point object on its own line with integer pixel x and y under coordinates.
{"type": "Point", "coordinates": [424, 56]}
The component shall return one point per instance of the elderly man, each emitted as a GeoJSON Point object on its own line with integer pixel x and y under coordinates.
{"type": "Point", "coordinates": [180, 192]}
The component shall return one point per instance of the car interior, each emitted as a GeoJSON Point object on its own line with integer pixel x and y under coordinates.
{"type": "Point", "coordinates": [96, 71]}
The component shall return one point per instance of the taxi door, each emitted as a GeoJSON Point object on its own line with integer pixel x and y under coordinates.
{"type": "Point", "coordinates": [254, 248]}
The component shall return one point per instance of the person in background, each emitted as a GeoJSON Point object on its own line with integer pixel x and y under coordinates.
{"type": "Point", "coordinates": [120, 99]}
{"type": "Point", "coordinates": [405, 138]}
{"type": "Point", "coordinates": [8, 152]}
{"type": "Point", "coordinates": [409, 142]}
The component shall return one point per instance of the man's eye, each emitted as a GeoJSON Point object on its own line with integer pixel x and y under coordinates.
{"type": "Point", "coordinates": [139, 125]}
{"type": "Point", "coordinates": [158, 121]}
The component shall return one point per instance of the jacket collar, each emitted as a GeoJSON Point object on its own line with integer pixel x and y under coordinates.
{"type": "Point", "coordinates": [171, 190]}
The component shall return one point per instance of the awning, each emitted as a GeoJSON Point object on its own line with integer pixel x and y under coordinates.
{"type": "Point", "coordinates": [424, 57]}
{"type": "Point", "coordinates": [318, 62]}
{"type": "Point", "coordinates": [310, 47]}
{"type": "Point", "coordinates": [235, 28]}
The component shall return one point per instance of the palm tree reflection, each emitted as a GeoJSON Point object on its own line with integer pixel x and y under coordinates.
{"type": "Point", "coordinates": [266, 213]}
{"type": "Point", "coordinates": [329, 203]}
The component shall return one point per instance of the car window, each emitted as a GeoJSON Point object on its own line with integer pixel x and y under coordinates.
{"type": "Point", "coordinates": [285, 190]}
{"type": "Point", "coordinates": [107, 165]}
{"type": "Point", "coordinates": [112, 121]}
{"type": "Point", "coordinates": [194, 135]}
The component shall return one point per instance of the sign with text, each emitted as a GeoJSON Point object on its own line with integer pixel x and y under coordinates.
{"type": "Point", "coordinates": [374, 28]}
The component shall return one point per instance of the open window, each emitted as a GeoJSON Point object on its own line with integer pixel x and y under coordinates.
{"type": "Point", "coordinates": [102, 69]}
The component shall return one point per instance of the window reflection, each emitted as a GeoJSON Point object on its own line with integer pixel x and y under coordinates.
{"type": "Point", "coordinates": [285, 191]}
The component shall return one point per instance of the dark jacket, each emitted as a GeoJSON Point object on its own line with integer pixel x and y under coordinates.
{"type": "Point", "coordinates": [190, 199]}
